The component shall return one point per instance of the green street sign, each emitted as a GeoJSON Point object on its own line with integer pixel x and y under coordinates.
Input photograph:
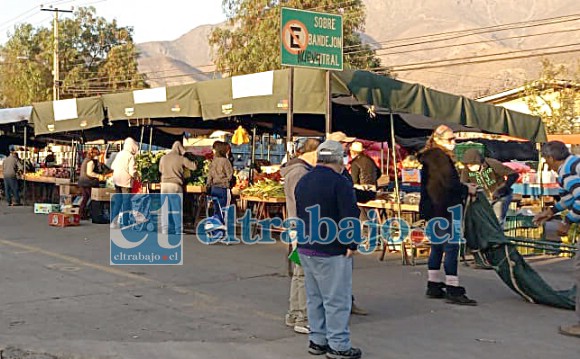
{"type": "Point", "coordinates": [311, 39]}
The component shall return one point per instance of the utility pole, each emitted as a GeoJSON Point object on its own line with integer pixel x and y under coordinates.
{"type": "Point", "coordinates": [55, 61]}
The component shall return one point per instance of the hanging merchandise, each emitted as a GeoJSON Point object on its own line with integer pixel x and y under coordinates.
{"type": "Point", "coordinates": [240, 136]}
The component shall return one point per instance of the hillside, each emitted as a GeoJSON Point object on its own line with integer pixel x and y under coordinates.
{"type": "Point", "coordinates": [392, 25]}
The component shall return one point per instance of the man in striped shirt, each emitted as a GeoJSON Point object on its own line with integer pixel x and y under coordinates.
{"type": "Point", "coordinates": [559, 158]}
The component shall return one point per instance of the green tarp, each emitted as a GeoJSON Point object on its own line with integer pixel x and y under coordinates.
{"type": "Point", "coordinates": [484, 234]}
{"type": "Point", "coordinates": [217, 99]}
{"type": "Point", "coordinates": [84, 113]}
{"type": "Point", "coordinates": [178, 101]}
{"type": "Point", "coordinates": [400, 96]}
{"type": "Point", "coordinates": [267, 93]}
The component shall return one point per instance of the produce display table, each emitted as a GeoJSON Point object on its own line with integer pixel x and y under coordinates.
{"type": "Point", "coordinates": [527, 189]}
{"type": "Point", "coordinates": [410, 213]}
{"type": "Point", "coordinates": [194, 202]}
{"type": "Point", "coordinates": [39, 188]}
{"type": "Point", "coordinates": [264, 206]}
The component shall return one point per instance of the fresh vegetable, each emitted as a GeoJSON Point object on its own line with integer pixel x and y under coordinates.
{"type": "Point", "coordinates": [148, 166]}
{"type": "Point", "coordinates": [265, 188]}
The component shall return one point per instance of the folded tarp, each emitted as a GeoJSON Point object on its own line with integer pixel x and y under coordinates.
{"type": "Point", "coordinates": [484, 234]}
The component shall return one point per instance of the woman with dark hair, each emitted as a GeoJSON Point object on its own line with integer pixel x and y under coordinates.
{"type": "Point", "coordinates": [441, 190]}
{"type": "Point", "coordinates": [220, 174]}
{"type": "Point", "coordinates": [89, 178]}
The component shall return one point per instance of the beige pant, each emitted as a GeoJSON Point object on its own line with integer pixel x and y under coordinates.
{"type": "Point", "coordinates": [298, 296]}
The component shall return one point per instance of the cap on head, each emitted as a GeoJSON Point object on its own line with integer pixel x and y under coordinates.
{"type": "Point", "coordinates": [472, 156]}
{"type": "Point", "coordinates": [357, 147]}
{"type": "Point", "coordinates": [330, 151]}
{"type": "Point", "coordinates": [340, 137]}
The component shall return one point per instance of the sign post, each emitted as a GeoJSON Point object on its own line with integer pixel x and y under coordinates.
{"type": "Point", "coordinates": [313, 40]}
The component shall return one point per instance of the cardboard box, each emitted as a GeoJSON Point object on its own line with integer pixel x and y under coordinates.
{"type": "Point", "coordinates": [66, 189]}
{"type": "Point", "coordinates": [195, 189]}
{"type": "Point", "coordinates": [102, 194]}
{"type": "Point", "coordinates": [63, 220]}
{"type": "Point", "coordinates": [67, 200]}
{"type": "Point", "coordinates": [411, 175]}
{"type": "Point", "coordinates": [71, 210]}
{"type": "Point", "coordinates": [46, 208]}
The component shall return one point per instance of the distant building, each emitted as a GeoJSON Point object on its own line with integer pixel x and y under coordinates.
{"type": "Point", "coordinates": [516, 99]}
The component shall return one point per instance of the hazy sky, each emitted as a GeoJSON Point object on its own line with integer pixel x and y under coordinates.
{"type": "Point", "coordinates": [151, 20]}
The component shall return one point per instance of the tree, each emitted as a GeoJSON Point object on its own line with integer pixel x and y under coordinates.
{"type": "Point", "coordinates": [251, 40]}
{"type": "Point", "coordinates": [95, 57]}
{"type": "Point", "coordinates": [555, 97]}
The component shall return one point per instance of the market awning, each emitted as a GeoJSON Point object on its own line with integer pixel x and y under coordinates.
{"type": "Point", "coordinates": [67, 115]}
{"type": "Point", "coordinates": [263, 93]}
{"type": "Point", "coordinates": [160, 102]}
{"type": "Point", "coordinates": [398, 96]}
{"type": "Point", "coordinates": [14, 115]}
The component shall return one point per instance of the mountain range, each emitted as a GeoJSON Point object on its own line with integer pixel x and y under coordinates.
{"type": "Point", "coordinates": [417, 33]}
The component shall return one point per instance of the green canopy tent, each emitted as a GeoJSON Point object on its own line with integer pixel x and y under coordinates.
{"type": "Point", "coordinates": [67, 115]}
{"type": "Point", "coordinates": [162, 102]}
{"type": "Point", "coordinates": [397, 96]}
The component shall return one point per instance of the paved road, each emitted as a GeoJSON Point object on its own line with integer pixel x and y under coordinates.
{"type": "Point", "coordinates": [59, 295]}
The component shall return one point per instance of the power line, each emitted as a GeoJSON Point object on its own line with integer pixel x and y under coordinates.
{"type": "Point", "coordinates": [462, 44]}
{"type": "Point", "coordinates": [477, 31]}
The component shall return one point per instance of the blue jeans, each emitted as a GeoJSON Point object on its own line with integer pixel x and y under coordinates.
{"type": "Point", "coordinates": [123, 205]}
{"type": "Point", "coordinates": [223, 195]}
{"type": "Point", "coordinates": [328, 299]}
{"type": "Point", "coordinates": [500, 207]}
{"type": "Point", "coordinates": [11, 188]}
{"type": "Point", "coordinates": [451, 251]}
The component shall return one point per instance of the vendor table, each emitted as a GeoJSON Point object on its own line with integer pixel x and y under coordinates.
{"type": "Point", "coordinates": [528, 189]}
{"type": "Point", "coordinates": [40, 189]}
{"type": "Point", "coordinates": [264, 206]}
{"type": "Point", "coordinates": [194, 202]}
{"type": "Point", "coordinates": [262, 209]}
{"type": "Point", "coordinates": [409, 213]}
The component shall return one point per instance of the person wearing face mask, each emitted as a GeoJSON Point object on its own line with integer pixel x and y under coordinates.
{"type": "Point", "coordinates": [493, 177]}
{"type": "Point", "coordinates": [89, 178]}
{"type": "Point", "coordinates": [441, 190]}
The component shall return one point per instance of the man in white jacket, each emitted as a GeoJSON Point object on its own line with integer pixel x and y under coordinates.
{"type": "Point", "coordinates": [124, 172]}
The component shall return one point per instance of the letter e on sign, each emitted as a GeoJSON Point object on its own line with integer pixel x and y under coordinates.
{"type": "Point", "coordinates": [295, 37]}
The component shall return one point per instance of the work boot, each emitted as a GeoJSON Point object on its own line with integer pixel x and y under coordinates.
{"type": "Point", "coordinates": [356, 310]}
{"type": "Point", "coordinates": [456, 295]}
{"type": "Point", "coordinates": [435, 290]}
{"type": "Point", "coordinates": [572, 330]}
{"type": "Point", "coordinates": [316, 349]}
{"type": "Point", "coordinates": [352, 353]}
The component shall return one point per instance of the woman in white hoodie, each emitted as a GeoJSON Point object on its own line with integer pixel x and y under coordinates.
{"type": "Point", "coordinates": [124, 172]}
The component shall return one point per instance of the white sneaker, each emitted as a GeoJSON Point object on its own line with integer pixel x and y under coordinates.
{"type": "Point", "coordinates": [302, 329]}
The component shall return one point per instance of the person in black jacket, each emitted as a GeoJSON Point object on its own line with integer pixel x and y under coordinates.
{"type": "Point", "coordinates": [327, 262]}
{"type": "Point", "coordinates": [363, 169]}
{"type": "Point", "coordinates": [89, 178]}
{"type": "Point", "coordinates": [441, 190]}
